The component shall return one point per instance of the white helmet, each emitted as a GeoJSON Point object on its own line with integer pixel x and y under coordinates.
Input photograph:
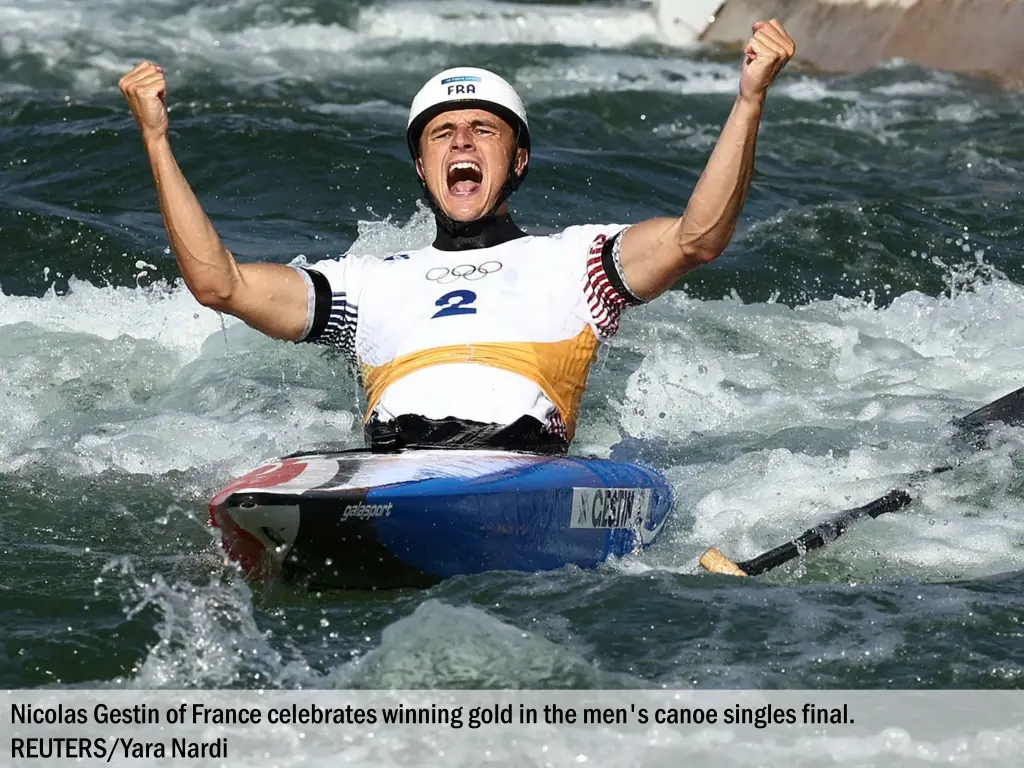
{"type": "Point", "coordinates": [466, 88]}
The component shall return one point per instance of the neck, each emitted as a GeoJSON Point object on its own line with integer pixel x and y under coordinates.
{"type": "Point", "coordinates": [482, 233]}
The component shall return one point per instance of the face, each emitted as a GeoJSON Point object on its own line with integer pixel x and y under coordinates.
{"type": "Point", "coordinates": [464, 160]}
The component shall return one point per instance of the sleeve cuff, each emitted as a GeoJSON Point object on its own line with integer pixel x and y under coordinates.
{"type": "Point", "coordinates": [611, 260]}
{"type": "Point", "coordinates": [318, 304]}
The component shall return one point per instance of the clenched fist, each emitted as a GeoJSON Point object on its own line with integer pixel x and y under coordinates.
{"type": "Point", "coordinates": [766, 54]}
{"type": "Point", "coordinates": [145, 87]}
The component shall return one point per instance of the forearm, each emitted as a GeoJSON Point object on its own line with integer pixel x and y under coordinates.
{"type": "Point", "coordinates": [209, 269]}
{"type": "Point", "coordinates": [710, 218]}
{"type": "Point", "coordinates": [653, 254]}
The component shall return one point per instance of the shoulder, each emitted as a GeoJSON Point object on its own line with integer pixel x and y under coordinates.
{"type": "Point", "coordinates": [351, 266]}
{"type": "Point", "coordinates": [592, 230]}
{"type": "Point", "coordinates": [398, 258]}
{"type": "Point", "coordinates": [585, 238]}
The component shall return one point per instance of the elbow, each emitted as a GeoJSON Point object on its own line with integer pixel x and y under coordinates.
{"type": "Point", "coordinates": [213, 279]}
{"type": "Point", "coordinates": [702, 246]}
{"type": "Point", "coordinates": [217, 298]}
{"type": "Point", "coordinates": [695, 254]}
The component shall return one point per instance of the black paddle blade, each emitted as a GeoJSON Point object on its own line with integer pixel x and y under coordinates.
{"type": "Point", "coordinates": [972, 430]}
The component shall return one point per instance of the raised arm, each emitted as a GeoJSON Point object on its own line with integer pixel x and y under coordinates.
{"type": "Point", "coordinates": [272, 298]}
{"type": "Point", "coordinates": [656, 253]}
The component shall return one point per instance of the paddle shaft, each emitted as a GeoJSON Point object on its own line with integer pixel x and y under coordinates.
{"type": "Point", "coordinates": [832, 528]}
{"type": "Point", "coordinates": [971, 432]}
{"type": "Point", "coordinates": [823, 533]}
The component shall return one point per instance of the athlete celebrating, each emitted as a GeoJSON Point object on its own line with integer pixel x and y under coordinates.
{"type": "Point", "coordinates": [460, 343]}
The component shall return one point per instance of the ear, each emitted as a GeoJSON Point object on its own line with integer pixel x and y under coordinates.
{"type": "Point", "coordinates": [419, 168]}
{"type": "Point", "coordinates": [522, 158]}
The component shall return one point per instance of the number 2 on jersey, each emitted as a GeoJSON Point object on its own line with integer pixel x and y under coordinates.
{"type": "Point", "coordinates": [455, 303]}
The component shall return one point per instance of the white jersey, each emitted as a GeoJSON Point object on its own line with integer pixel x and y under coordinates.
{"type": "Point", "coordinates": [486, 335]}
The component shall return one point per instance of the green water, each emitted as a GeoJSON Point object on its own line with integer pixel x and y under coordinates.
{"type": "Point", "coordinates": [872, 292]}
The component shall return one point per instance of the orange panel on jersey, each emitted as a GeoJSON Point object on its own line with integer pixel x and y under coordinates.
{"type": "Point", "coordinates": [559, 368]}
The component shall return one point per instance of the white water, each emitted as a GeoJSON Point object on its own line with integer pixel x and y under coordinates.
{"type": "Point", "coordinates": [830, 405]}
{"type": "Point", "coordinates": [779, 415]}
{"type": "Point", "coordinates": [90, 43]}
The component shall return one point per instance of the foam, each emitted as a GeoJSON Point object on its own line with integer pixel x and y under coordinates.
{"type": "Point", "coordinates": [89, 43]}
{"type": "Point", "coordinates": [445, 646]}
{"type": "Point", "coordinates": [787, 413]}
{"type": "Point", "coordinates": [474, 22]}
{"type": "Point", "coordinates": [111, 378]}
{"type": "Point", "coordinates": [619, 72]}
{"type": "Point", "coordinates": [162, 312]}
{"type": "Point", "coordinates": [794, 413]}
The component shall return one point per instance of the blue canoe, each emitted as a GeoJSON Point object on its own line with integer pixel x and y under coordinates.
{"type": "Point", "coordinates": [362, 520]}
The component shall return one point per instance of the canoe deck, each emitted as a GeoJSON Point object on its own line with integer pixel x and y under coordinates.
{"type": "Point", "coordinates": [360, 520]}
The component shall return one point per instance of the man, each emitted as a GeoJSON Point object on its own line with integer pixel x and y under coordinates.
{"type": "Point", "coordinates": [484, 338]}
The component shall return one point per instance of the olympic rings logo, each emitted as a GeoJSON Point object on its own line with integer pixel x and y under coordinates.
{"type": "Point", "coordinates": [443, 275]}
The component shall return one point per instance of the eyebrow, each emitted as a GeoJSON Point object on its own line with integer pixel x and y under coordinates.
{"type": "Point", "coordinates": [447, 126]}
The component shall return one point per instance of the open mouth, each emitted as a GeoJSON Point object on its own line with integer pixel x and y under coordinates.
{"type": "Point", "coordinates": [464, 178]}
